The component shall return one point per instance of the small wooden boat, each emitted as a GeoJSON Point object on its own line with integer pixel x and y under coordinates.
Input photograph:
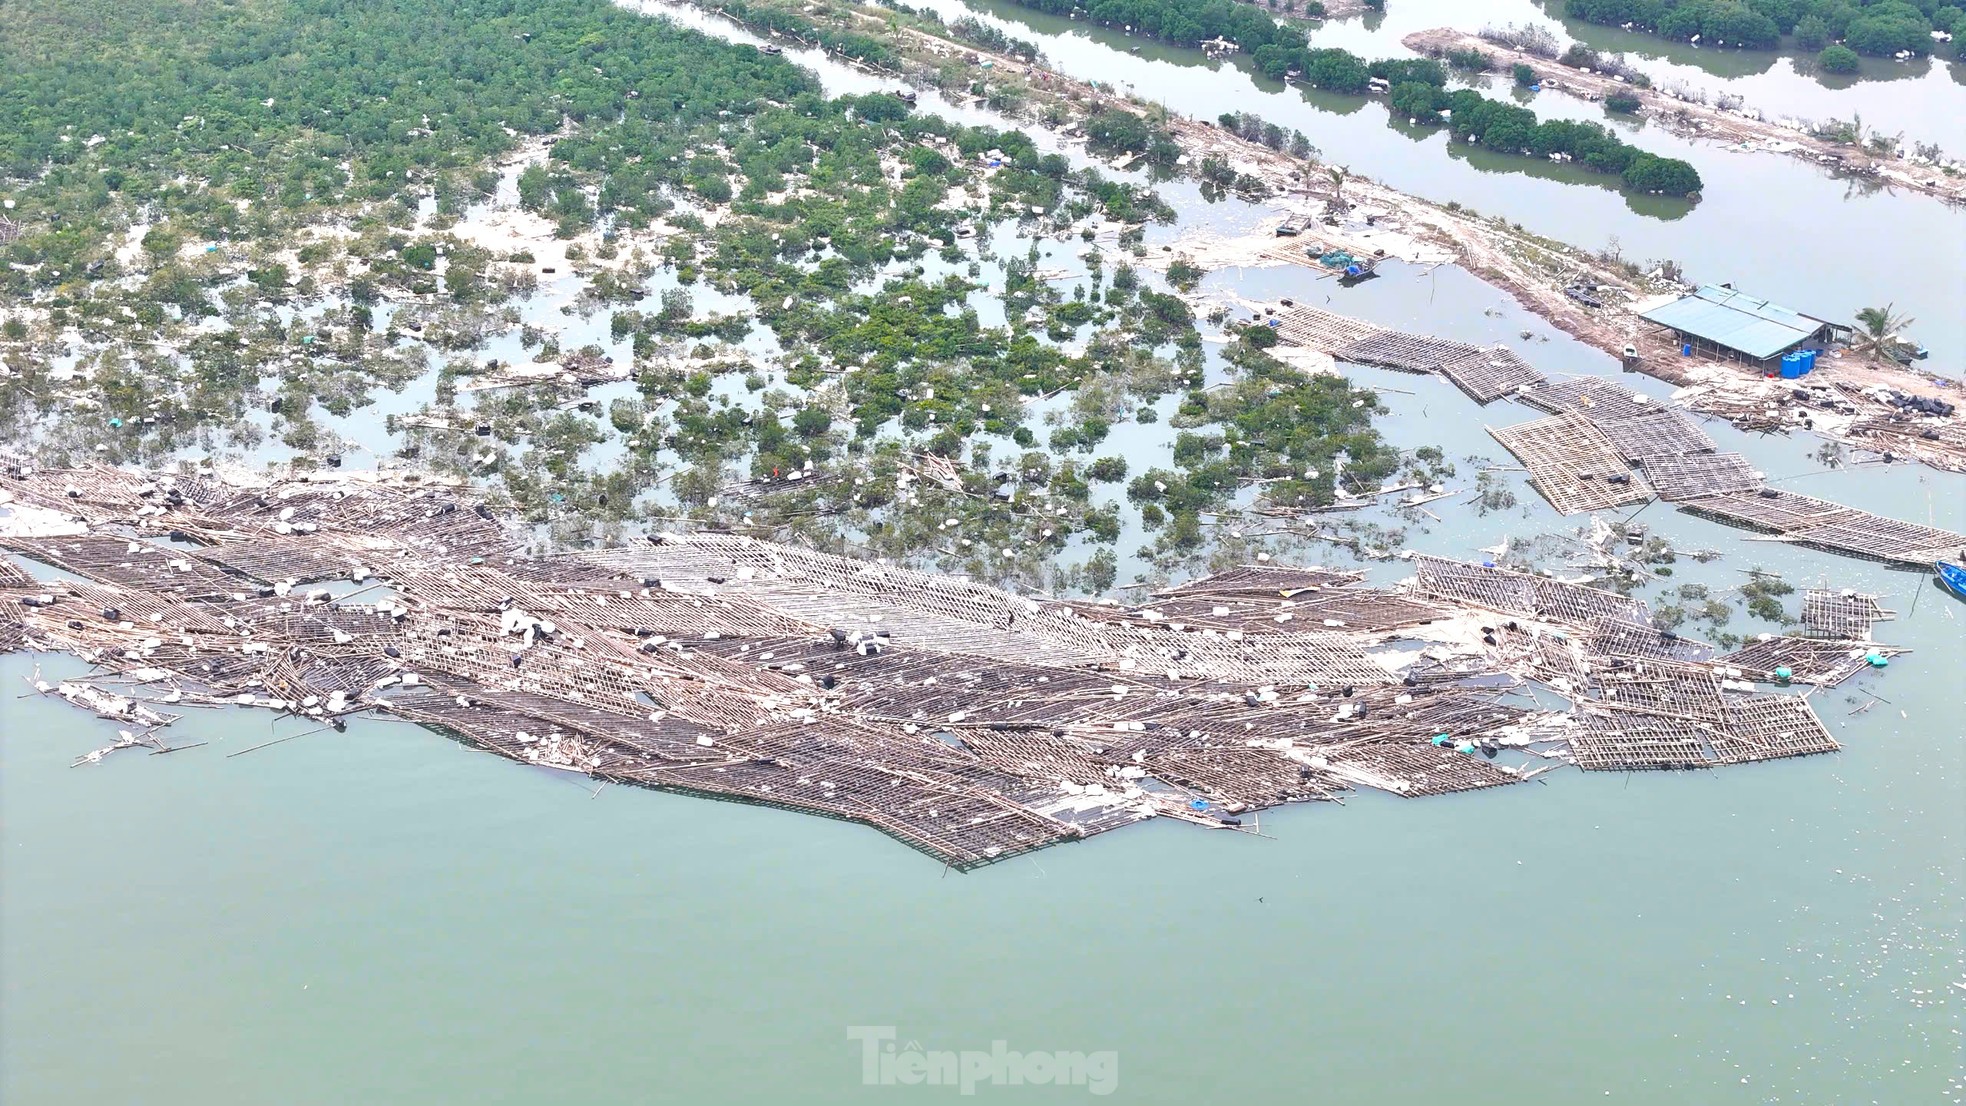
{"type": "Point", "coordinates": [1952, 577]}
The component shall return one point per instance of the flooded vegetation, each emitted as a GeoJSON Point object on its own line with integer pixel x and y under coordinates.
{"type": "Point", "coordinates": [999, 423]}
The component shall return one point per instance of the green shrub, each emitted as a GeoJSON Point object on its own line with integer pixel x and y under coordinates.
{"type": "Point", "coordinates": [1838, 59]}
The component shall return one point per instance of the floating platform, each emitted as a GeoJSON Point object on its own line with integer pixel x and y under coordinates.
{"type": "Point", "coordinates": [1414, 353]}
{"type": "Point", "coordinates": [1697, 475]}
{"type": "Point", "coordinates": [1588, 395]}
{"type": "Point", "coordinates": [1489, 374]}
{"type": "Point", "coordinates": [1825, 662]}
{"type": "Point", "coordinates": [968, 722]}
{"type": "Point", "coordinates": [1842, 614]}
{"type": "Point", "coordinates": [1659, 433]}
{"type": "Point", "coordinates": [1573, 464]}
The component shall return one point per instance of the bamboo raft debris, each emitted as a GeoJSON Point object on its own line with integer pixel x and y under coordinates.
{"type": "Point", "coordinates": [1573, 464]}
{"type": "Point", "coordinates": [1697, 475]}
{"type": "Point", "coordinates": [1842, 614]}
{"type": "Point", "coordinates": [1485, 374]}
{"type": "Point", "coordinates": [1825, 662]}
{"type": "Point", "coordinates": [1489, 374]}
{"type": "Point", "coordinates": [971, 723]}
{"type": "Point", "coordinates": [1665, 433]}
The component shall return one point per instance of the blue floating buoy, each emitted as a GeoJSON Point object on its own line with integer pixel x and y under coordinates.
{"type": "Point", "coordinates": [1198, 804]}
{"type": "Point", "coordinates": [1877, 660]}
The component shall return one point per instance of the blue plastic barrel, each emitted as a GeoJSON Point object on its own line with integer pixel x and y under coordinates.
{"type": "Point", "coordinates": [1808, 361]}
{"type": "Point", "coordinates": [1686, 350]}
{"type": "Point", "coordinates": [1791, 366]}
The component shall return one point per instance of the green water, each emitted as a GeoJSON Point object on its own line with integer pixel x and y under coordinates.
{"type": "Point", "coordinates": [385, 916]}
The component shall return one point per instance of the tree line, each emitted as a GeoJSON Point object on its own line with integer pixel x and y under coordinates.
{"type": "Point", "coordinates": [1184, 22]}
{"type": "Point", "coordinates": [1418, 88]}
{"type": "Point", "coordinates": [1879, 29]}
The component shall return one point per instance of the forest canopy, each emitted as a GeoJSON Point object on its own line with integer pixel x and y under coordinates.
{"type": "Point", "coordinates": [1879, 28]}
{"type": "Point", "coordinates": [293, 103]}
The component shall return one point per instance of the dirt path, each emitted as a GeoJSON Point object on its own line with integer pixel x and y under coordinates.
{"type": "Point", "coordinates": [1743, 127]}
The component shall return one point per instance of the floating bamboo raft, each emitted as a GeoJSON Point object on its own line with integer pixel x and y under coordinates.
{"type": "Point", "coordinates": [1842, 614]}
{"type": "Point", "coordinates": [1582, 457]}
{"type": "Point", "coordinates": [1573, 464]}
{"type": "Point", "coordinates": [1485, 374]}
{"type": "Point", "coordinates": [1668, 433]}
{"type": "Point", "coordinates": [1834, 527]}
{"type": "Point", "coordinates": [1825, 662]}
{"type": "Point", "coordinates": [1697, 475]}
{"type": "Point", "coordinates": [1489, 374]}
{"type": "Point", "coordinates": [1588, 395]}
{"type": "Point", "coordinates": [970, 723]}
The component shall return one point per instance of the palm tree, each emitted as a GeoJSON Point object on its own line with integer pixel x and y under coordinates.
{"type": "Point", "coordinates": [1337, 173]}
{"type": "Point", "coordinates": [1878, 330]}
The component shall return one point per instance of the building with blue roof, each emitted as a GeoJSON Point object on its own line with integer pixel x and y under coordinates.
{"type": "Point", "coordinates": [1720, 321]}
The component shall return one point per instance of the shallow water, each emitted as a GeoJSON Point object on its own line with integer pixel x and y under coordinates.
{"type": "Point", "coordinates": [385, 915]}
{"type": "Point", "coordinates": [1772, 225]}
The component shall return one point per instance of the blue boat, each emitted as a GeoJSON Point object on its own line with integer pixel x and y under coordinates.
{"type": "Point", "coordinates": [1952, 577]}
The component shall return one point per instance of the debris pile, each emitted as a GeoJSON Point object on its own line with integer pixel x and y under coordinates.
{"type": "Point", "coordinates": [968, 722]}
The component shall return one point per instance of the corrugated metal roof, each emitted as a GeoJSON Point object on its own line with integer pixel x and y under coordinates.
{"type": "Point", "coordinates": [1740, 322]}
